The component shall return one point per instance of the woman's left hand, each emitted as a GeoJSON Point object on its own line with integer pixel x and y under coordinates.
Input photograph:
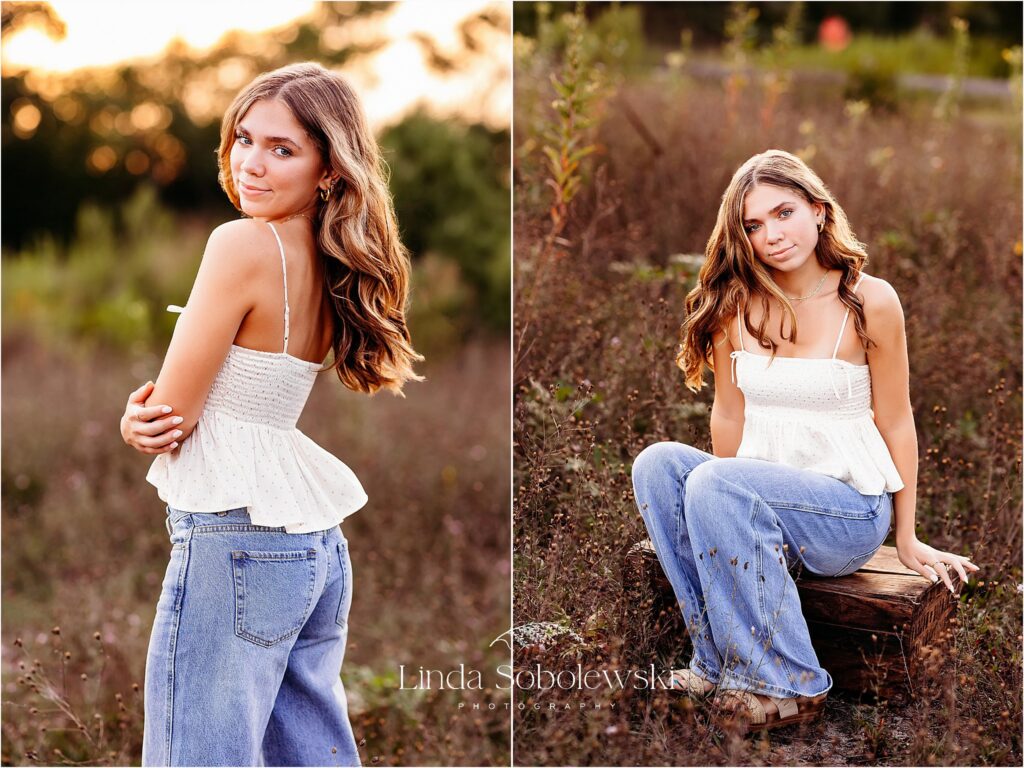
{"type": "Point", "coordinates": [150, 429]}
{"type": "Point", "coordinates": [933, 564]}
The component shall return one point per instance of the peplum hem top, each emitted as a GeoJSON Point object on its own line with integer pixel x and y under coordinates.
{"type": "Point", "coordinates": [246, 450]}
{"type": "Point", "coordinates": [815, 414]}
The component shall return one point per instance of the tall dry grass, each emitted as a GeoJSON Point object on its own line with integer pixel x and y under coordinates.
{"type": "Point", "coordinates": [938, 203]}
{"type": "Point", "coordinates": [84, 550]}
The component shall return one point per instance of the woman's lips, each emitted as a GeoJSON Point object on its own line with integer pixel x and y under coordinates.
{"type": "Point", "coordinates": [249, 191]}
{"type": "Point", "coordinates": [783, 254]}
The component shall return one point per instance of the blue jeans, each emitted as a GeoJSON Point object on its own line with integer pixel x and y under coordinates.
{"type": "Point", "coordinates": [245, 657]}
{"type": "Point", "coordinates": [726, 532]}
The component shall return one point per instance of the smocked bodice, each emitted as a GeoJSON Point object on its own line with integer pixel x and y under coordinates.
{"type": "Point", "coordinates": [268, 388]}
{"type": "Point", "coordinates": [804, 388]}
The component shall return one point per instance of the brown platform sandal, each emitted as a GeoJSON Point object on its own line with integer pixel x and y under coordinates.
{"type": "Point", "coordinates": [693, 684]}
{"type": "Point", "coordinates": [745, 710]}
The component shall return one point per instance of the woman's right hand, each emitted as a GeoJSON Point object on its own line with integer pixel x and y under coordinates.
{"type": "Point", "coordinates": [918, 556]}
{"type": "Point", "coordinates": [149, 430]}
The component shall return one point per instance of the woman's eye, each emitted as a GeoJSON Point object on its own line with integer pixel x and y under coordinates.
{"type": "Point", "coordinates": [751, 227]}
{"type": "Point", "coordinates": [788, 210]}
{"type": "Point", "coordinates": [285, 152]}
{"type": "Point", "coordinates": [242, 138]}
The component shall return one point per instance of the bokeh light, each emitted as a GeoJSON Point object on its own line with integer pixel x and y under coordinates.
{"type": "Point", "coordinates": [26, 118]}
{"type": "Point", "coordinates": [102, 159]}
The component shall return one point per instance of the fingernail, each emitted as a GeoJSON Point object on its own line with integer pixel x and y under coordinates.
{"type": "Point", "coordinates": [177, 433]}
{"type": "Point", "coordinates": [167, 409]}
{"type": "Point", "coordinates": [174, 445]}
{"type": "Point", "coordinates": [934, 578]}
{"type": "Point", "coordinates": [177, 419]}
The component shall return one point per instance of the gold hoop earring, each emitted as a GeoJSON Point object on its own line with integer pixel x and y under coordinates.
{"type": "Point", "coordinates": [325, 194]}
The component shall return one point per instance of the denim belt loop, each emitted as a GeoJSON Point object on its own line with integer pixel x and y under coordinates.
{"type": "Point", "coordinates": [167, 524]}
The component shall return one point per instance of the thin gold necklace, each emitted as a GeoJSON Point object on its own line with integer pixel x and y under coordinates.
{"type": "Point", "coordinates": [295, 216]}
{"type": "Point", "coordinates": [812, 293]}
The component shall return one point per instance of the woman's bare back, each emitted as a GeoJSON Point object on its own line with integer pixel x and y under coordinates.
{"type": "Point", "coordinates": [310, 328]}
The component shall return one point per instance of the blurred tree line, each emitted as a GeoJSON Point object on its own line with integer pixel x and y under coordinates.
{"type": "Point", "coordinates": [882, 58]}
{"type": "Point", "coordinates": [84, 153]}
{"type": "Point", "coordinates": [661, 22]}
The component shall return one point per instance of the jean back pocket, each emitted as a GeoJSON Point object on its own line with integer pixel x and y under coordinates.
{"type": "Point", "coordinates": [273, 593]}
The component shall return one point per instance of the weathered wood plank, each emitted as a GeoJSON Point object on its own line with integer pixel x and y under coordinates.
{"type": "Point", "coordinates": [886, 586]}
{"type": "Point", "coordinates": [854, 610]}
{"type": "Point", "coordinates": [887, 561]}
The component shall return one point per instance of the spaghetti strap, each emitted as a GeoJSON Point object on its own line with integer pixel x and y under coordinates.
{"type": "Point", "coordinates": [840, 337]}
{"type": "Point", "coordinates": [739, 327]}
{"type": "Point", "coordinates": [845, 318]}
{"type": "Point", "coordinates": [284, 271]}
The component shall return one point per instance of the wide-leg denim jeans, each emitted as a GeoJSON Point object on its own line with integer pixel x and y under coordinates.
{"type": "Point", "coordinates": [245, 657]}
{"type": "Point", "coordinates": [726, 532]}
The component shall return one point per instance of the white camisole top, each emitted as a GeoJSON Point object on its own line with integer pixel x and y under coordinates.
{"type": "Point", "coordinates": [795, 414]}
{"type": "Point", "coordinates": [247, 452]}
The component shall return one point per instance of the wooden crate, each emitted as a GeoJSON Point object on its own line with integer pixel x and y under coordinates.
{"type": "Point", "coordinates": [872, 630]}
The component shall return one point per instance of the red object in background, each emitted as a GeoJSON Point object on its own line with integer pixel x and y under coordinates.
{"type": "Point", "coordinates": [834, 33]}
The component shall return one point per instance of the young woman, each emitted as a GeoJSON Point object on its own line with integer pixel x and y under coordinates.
{"type": "Point", "coordinates": [815, 450]}
{"type": "Point", "coordinates": [247, 645]}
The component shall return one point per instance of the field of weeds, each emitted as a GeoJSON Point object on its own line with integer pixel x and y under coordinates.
{"type": "Point", "coordinates": [617, 184]}
{"type": "Point", "coordinates": [84, 551]}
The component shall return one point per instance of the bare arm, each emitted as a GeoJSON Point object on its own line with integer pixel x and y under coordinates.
{"type": "Point", "coordinates": [890, 389]}
{"type": "Point", "coordinates": [894, 417]}
{"type": "Point", "coordinates": [727, 410]}
{"type": "Point", "coordinates": [221, 297]}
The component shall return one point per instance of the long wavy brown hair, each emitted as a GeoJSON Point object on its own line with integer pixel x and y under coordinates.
{"type": "Point", "coordinates": [366, 267]}
{"type": "Point", "coordinates": [732, 275]}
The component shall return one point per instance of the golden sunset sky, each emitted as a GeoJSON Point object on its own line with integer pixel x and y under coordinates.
{"type": "Point", "coordinates": [391, 81]}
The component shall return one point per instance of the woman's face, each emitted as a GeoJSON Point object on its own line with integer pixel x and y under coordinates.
{"type": "Point", "coordinates": [276, 168]}
{"type": "Point", "coordinates": [781, 225]}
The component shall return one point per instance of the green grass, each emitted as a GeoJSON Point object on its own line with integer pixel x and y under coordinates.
{"type": "Point", "coordinates": [919, 52]}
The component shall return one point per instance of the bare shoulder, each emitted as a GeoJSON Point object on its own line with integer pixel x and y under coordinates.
{"type": "Point", "coordinates": [242, 242]}
{"type": "Point", "coordinates": [881, 302]}
{"type": "Point", "coordinates": [879, 295]}
{"type": "Point", "coordinates": [239, 257]}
